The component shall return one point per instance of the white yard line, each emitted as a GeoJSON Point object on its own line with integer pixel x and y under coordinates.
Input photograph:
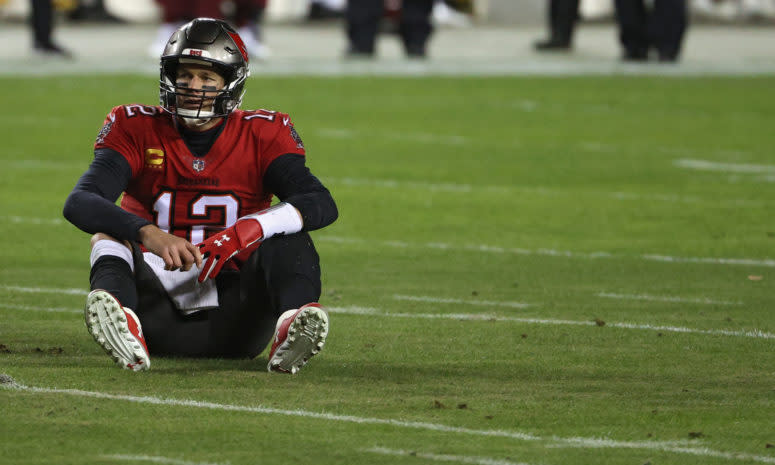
{"type": "Point", "coordinates": [755, 334]}
{"type": "Point", "coordinates": [443, 457]}
{"type": "Point", "coordinates": [656, 298]}
{"type": "Point", "coordinates": [705, 452]}
{"type": "Point", "coordinates": [765, 262]}
{"type": "Point", "coordinates": [713, 261]}
{"type": "Point", "coordinates": [45, 290]}
{"type": "Point", "coordinates": [438, 300]}
{"type": "Point", "coordinates": [584, 443]}
{"type": "Point", "coordinates": [30, 220]}
{"type": "Point", "coordinates": [420, 137]}
{"type": "Point", "coordinates": [420, 185]}
{"type": "Point", "coordinates": [548, 192]}
{"type": "Point", "coordinates": [39, 309]}
{"type": "Point", "coordinates": [706, 165]}
{"type": "Point", "coordinates": [154, 459]}
{"type": "Point", "coordinates": [579, 442]}
{"type": "Point", "coordinates": [738, 203]}
{"type": "Point", "coordinates": [697, 450]}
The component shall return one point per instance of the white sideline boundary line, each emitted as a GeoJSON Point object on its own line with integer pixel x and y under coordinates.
{"type": "Point", "coordinates": [429, 186]}
{"type": "Point", "coordinates": [45, 290]}
{"type": "Point", "coordinates": [706, 165]}
{"type": "Point", "coordinates": [437, 300]}
{"type": "Point", "coordinates": [655, 298]}
{"type": "Point", "coordinates": [39, 309]}
{"type": "Point", "coordinates": [155, 459]}
{"type": "Point", "coordinates": [356, 310]}
{"type": "Point", "coordinates": [442, 457]}
{"type": "Point", "coordinates": [419, 137]}
{"type": "Point", "coordinates": [687, 199]}
{"type": "Point", "coordinates": [548, 192]}
{"type": "Point", "coordinates": [706, 452]}
{"type": "Point", "coordinates": [576, 442]}
{"type": "Point", "coordinates": [766, 262]}
{"type": "Point", "coordinates": [31, 220]}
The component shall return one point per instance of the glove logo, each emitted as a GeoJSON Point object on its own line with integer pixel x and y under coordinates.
{"type": "Point", "coordinates": [224, 238]}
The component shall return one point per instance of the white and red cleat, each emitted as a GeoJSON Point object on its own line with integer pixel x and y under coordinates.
{"type": "Point", "coordinates": [117, 329]}
{"type": "Point", "coordinates": [298, 336]}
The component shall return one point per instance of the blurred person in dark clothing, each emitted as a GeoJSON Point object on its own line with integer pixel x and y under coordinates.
{"type": "Point", "coordinates": [414, 25]}
{"type": "Point", "coordinates": [660, 27]}
{"type": "Point", "coordinates": [326, 9]}
{"type": "Point", "coordinates": [42, 22]}
{"type": "Point", "coordinates": [248, 18]}
{"type": "Point", "coordinates": [562, 16]}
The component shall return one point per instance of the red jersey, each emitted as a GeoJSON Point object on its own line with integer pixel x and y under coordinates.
{"type": "Point", "coordinates": [191, 196]}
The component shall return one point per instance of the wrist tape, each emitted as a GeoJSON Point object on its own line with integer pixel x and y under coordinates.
{"type": "Point", "coordinates": [280, 219]}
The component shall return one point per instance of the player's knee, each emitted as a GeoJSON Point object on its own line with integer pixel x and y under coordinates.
{"type": "Point", "coordinates": [292, 252]}
{"type": "Point", "coordinates": [290, 261]}
{"type": "Point", "coordinates": [104, 245]}
{"type": "Point", "coordinates": [101, 237]}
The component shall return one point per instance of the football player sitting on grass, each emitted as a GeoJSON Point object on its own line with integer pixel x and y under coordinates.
{"type": "Point", "coordinates": [195, 262]}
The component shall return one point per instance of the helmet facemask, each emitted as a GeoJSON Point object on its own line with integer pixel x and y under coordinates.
{"type": "Point", "coordinates": [213, 103]}
{"type": "Point", "coordinates": [211, 43]}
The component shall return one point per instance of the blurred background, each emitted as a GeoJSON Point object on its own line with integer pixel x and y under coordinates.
{"type": "Point", "coordinates": [481, 37]}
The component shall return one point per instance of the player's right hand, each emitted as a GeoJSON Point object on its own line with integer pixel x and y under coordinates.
{"type": "Point", "coordinates": [177, 253]}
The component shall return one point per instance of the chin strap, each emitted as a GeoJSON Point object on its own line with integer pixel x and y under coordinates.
{"type": "Point", "coordinates": [194, 122]}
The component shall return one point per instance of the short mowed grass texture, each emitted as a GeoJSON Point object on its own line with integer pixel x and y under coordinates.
{"type": "Point", "coordinates": [543, 271]}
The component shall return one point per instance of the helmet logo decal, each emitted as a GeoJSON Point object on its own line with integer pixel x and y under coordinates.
{"type": "Point", "coordinates": [240, 45]}
{"type": "Point", "coordinates": [195, 52]}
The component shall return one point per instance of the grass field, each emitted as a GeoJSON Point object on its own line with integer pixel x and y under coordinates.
{"type": "Point", "coordinates": [542, 271]}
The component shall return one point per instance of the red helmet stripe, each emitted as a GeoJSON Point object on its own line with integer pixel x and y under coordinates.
{"type": "Point", "coordinates": [240, 45]}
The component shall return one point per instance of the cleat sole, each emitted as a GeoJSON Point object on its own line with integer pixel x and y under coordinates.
{"type": "Point", "coordinates": [306, 338]}
{"type": "Point", "coordinates": [107, 324]}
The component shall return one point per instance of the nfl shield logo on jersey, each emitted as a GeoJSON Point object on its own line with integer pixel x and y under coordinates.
{"type": "Point", "coordinates": [198, 165]}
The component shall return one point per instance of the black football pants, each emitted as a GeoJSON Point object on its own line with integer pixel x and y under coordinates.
{"type": "Point", "coordinates": [363, 18]}
{"type": "Point", "coordinates": [284, 273]}
{"type": "Point", "coordinates": [662, 27]}
{"type": "Point", "coordinates": [41, 18]}
{"type": "Point", "coordinates": [563, 15]}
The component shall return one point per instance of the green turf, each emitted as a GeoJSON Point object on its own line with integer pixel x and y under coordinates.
{"type": "Point", "coordinates": [456, 196]}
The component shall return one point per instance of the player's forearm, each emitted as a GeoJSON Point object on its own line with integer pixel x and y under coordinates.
{"type": "Point", "coordinates": [317, 209]}
{"type": "Point", "coordinates": [92, 214]}
{"type": "Point", "coordinates": [292, 182]}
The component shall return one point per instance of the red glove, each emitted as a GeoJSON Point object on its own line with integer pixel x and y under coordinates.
{"type": "Point", "coordinates": [221, 247]}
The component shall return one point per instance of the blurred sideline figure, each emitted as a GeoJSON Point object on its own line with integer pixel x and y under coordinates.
{"type": "Point", "coordinates": [452, 13]}
{"type": "Point", "coordinates": [660, 27]}
{"type": "Point", "coordinates": [326, 9]}
{"type": "Point", "coordinates": [562, 16]}
{"type": "Point", "coordinates": [90, 10]}
{"type": "Point", "coordinates": [247, 16]}
{"type": "Point", "coordinates": [42, 22]}
{"type": "Point", "coordinates": [363, 21]}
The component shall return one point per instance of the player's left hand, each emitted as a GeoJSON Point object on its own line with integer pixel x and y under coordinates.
{"type": "Point", "coordinates": [222, 247]}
